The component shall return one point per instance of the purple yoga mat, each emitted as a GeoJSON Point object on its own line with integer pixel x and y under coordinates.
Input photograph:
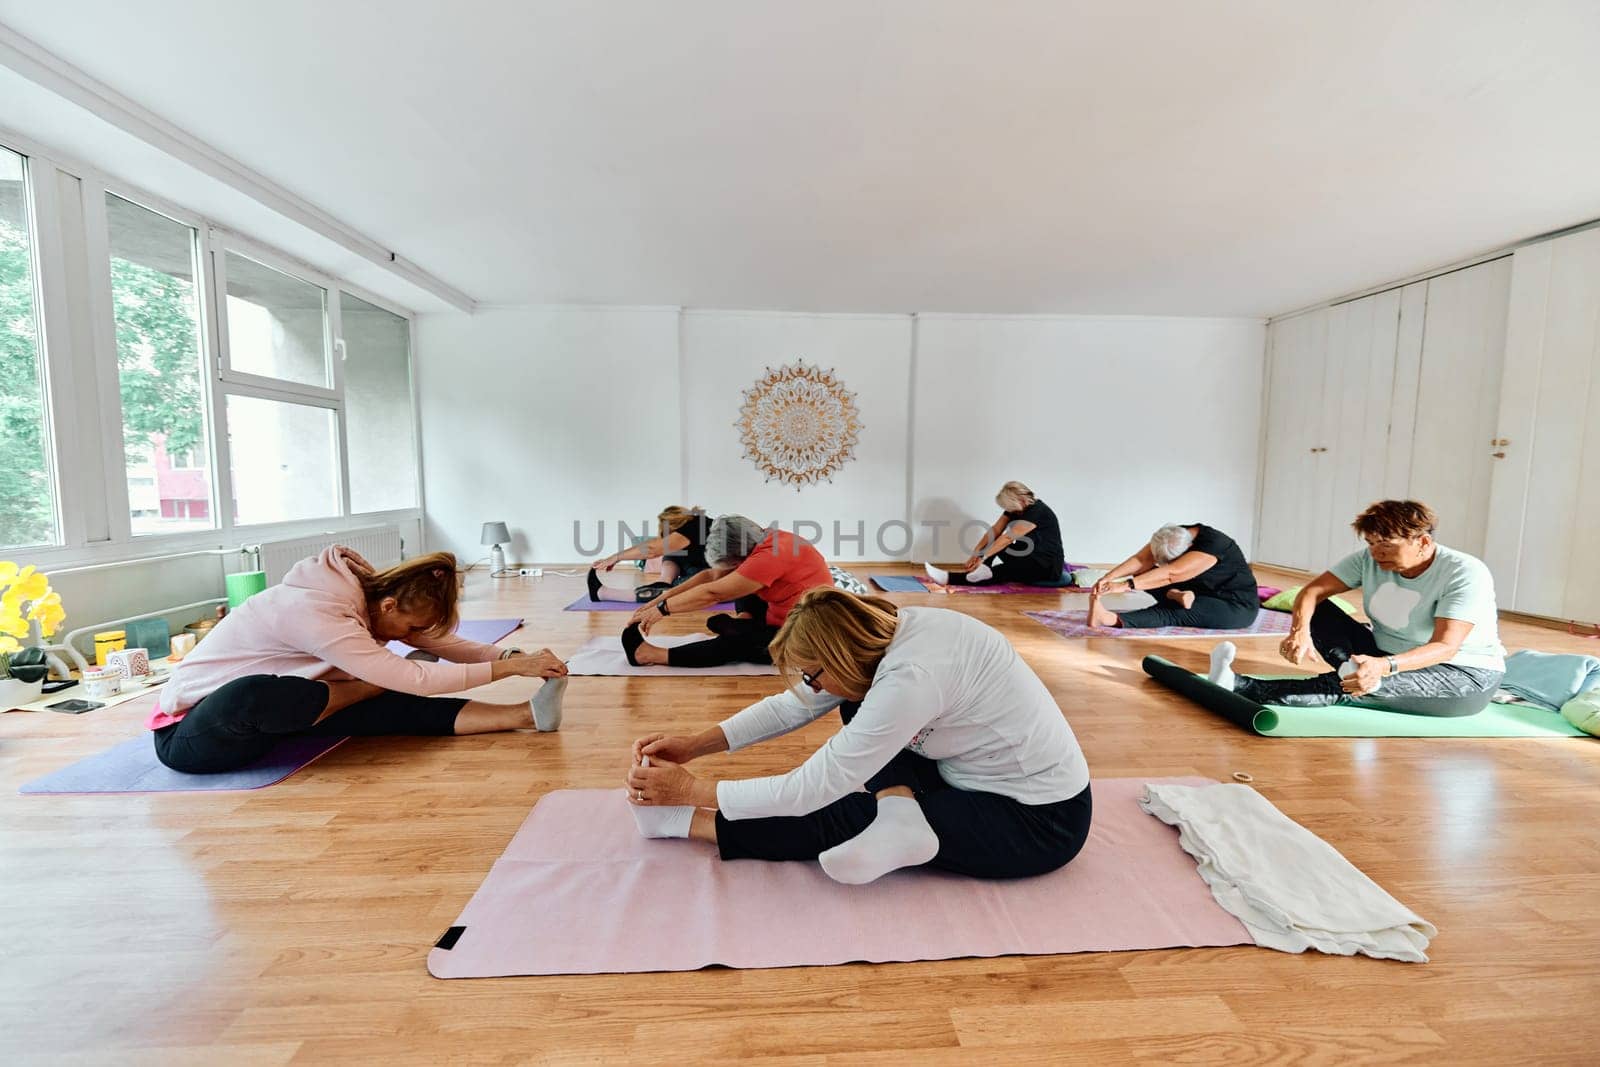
{"type": "Point", "coordinates": [1075, 624]}
{"type": "Point", "coordinates": [578, 891]}
{"type": "Point", "coordinates": [484, 631]}
{"type": "Point", "coordinates": [998, 588]}
{"type": "Point", "coordinates": [583, 603]}
{"type": "Point", "coordinates": [132, 767]}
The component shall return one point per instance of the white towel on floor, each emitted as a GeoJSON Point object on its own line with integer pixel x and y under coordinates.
{"type": "Point", "coordinates": [1290, 888]}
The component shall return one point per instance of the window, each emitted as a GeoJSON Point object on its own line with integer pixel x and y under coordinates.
{"type": "Point", "coordinates": [277, 324]}
{"type": "Point", "coordinates": [156, 304]}
{"type": "Point", "coordinates": [285, 460]}
{"type": "Point", "coordinates": [379, 421]}
{"type": "Point", "coordinates": [27, 490]}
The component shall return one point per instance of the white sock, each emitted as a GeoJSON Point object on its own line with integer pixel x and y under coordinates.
{"type": "Point", "coordinates": [980, 573]}
{"type": "Point", "coordinates": [661, 821]}
{"type": "Point", "coordinates": [1222, 665]}
{"type": "Point", "coordinates": [547, 704]}
{"type": "Point", "coordinates": [938, 576]}
{"type": "Point", "coordinates": [899, 837]}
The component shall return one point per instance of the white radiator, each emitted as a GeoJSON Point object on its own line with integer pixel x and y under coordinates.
{"type": "Point", "coordinates": [379, 544]}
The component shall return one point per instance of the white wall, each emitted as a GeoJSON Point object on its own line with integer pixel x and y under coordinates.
{"type": "Point", "coordinates": [543, 416]}
{"type": "Point", "coordinates": [1119, 424]}
{"type": "Point", "coordinates": [724, 353]}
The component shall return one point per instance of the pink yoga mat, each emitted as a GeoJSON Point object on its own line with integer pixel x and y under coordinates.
{"type": "Point", "coordinates": [1075, 624]}
{"type": "Point", "coordinates": [579, 892]}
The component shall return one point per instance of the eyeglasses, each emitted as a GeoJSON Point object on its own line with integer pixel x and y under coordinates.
{"type": "Point", "coordinates": [811, 679]}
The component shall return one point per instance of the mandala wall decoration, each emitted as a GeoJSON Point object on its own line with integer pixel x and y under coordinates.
{"type": "Point", "coordinates": [799, 425]}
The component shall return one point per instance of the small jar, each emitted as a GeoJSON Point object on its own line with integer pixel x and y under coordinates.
{"type": "Point", "coordinates": [99, 683]}
{"type": "Point", "coordinates": [107, 642]}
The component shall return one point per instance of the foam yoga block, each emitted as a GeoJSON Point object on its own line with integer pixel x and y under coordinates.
{"type": "Point", "coordinates": [1349, 720]}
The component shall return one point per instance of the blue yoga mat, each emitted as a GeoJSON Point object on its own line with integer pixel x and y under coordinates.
{"type": "Point", "coordinates": [132, 767]}
{"type": "Point", "coordinates": [898, 583]}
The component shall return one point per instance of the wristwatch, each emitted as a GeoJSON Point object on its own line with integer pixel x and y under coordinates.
{"type": "Point", "coordinates": [1394, 666]}
{"type": "Point", "coordinates": [509, 652]}
{"type": "Point", "coordinates": [662, 607]}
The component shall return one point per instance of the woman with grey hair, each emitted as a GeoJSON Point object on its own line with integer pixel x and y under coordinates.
{"type": "Point", "coordinates": [1197, 574]}
{"type": "Point", "coordinates": [1023, 545]}
{"type": "Point", "coordinates": [762, 571]}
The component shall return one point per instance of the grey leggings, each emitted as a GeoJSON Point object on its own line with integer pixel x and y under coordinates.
{"type": "Point", "coordinates": [1444, 690]}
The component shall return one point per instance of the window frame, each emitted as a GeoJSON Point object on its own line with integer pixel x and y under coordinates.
{"type": "Point", "coordinates": [83, 401]}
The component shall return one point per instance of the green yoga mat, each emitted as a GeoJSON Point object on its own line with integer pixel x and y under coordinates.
{"type": "Point", "coordinates": [1342, 720]}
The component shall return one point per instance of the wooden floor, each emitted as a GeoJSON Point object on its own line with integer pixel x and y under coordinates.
{"type": "Point", "coordinates": [291, 924]}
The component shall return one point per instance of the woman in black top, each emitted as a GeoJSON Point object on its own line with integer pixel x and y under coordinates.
{"type": "Point", "coordinates": [682, 546]}
{"type": "Point", "coordinates": [1197, 575]}
{"type": "Point", "coordinates": [1023, 545]}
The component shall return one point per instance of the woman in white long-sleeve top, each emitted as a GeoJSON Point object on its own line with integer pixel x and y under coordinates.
{"type": "Point", "coordinates": [953, 753]}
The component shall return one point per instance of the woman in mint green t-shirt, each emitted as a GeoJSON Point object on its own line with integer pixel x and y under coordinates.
{"type": "Point", "coordinates": [1434, 644]}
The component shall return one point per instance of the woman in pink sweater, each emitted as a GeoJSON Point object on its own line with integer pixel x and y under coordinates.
{"type": "Point", "coordinates": [309, 656]}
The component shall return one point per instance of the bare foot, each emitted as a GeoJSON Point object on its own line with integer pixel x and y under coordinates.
{"type": "Point", "coordinates": [649, 655]}
{"type": "Point", "coordinates": [1184, 597]}
{"type": "Point", "coordinates": [1100, 615]}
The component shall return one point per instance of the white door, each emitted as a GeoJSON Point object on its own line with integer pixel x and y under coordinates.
{"type": "Point", "coordinates": [1358, 401]}
{"type": "Point", "coordinates": [1546, 490]}
{"type": "Point", "coordinates": [1296, 358]}
{"type": "Point", "coordinates": [1458, 399]}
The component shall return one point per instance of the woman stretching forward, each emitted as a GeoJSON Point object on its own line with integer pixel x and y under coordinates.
{"type": "Point", "coordinates": [952, 754]}
{"type": "Point", "coordinates": [308, 656]}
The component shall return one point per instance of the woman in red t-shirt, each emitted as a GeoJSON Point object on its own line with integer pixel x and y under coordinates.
{"type": "Point", "coordinates": [763, 572]}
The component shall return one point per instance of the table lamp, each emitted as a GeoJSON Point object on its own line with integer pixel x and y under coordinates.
{"type": "Point", "coordinates": [496, 534]}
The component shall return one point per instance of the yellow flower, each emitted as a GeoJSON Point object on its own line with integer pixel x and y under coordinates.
{"type": "Point", "coordinates": [8, 570]}
{"type": "Point", "coordinates": [8, 644]}
{"type": "Point", "coordinates": [47, 611]}
{"type": "Point", "coordinates": [32, 585]}
{"type": "Point", "coordinates": [13, 625]}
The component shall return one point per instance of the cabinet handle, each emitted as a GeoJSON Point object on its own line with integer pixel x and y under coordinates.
{"type": "Point", "coordinates": [1499, 442]}
{"type": "Point", "coordinates": [1498, 455]}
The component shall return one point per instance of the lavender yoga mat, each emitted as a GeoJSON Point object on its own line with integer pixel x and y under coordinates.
{"type": "Point", "coordinates": [583, 603]}
{"type": "Point", "coordinates": [484, 631]}
{"type": "Point", "coordinates": [1074, 624]}
{"type": "Point", "coordinates": [132, 767]}
{"type": "Point", "coordinates": [578, 891]}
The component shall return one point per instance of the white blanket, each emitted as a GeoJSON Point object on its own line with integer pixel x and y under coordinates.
{"type": "Point", "coordinates": [1290, 888]}
{"type": "Point", "coordinates": [604, 655]}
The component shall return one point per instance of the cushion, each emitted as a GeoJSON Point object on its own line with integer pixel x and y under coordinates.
{"type": "Point", "coordinates": [1583, 711]}
{"type": "Point", "coordinates": [1284, 601]}
{"type": "Point", "coordinates": [843, 579]}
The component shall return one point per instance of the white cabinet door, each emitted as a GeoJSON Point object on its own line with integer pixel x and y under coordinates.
{"type": "Point", "coordinates": [1458, 399]}
{"type": "Point", "coordinates": [1546, 491]}
{"type": "Point", "coordinates": [1295, 361]}
{"type": "Point", "coordinates": [1358, 414]}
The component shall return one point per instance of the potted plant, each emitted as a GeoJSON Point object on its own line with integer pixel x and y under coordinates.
{"type": "Point", "coordinates": [30, 609]}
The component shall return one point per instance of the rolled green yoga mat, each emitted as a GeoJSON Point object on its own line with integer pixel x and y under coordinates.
{"type": "Point", "coordinates": [1344, 720]}
{"type": "Point", "coordinates": [244, 585]}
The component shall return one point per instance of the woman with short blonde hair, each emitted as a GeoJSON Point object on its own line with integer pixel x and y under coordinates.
{"type": "Point", "coordinates": [1023, 545]}
{"type": "Point", "coordinates": [952, 753]}
{"type": "Point", "coordinates": [309, 656]}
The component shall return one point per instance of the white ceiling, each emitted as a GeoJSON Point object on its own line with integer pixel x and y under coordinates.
{"type": "Point", "coordinates": [1228, 157]}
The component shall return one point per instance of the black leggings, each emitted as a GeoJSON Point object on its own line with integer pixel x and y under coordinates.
{"type": "Point", "coordinates": [1023, 570]}
{"type": "Point", "coordinates": [242, 721]}
{"type": "Point", "coordinates": [983, 835]}
{"type": "Point", "coordinates": [737, 640]}
{"type": "Point", "coordinates": [643, 594]}
{"type": "Point", "coordinates": [1208, 613]}
{"type": "Point", "coordinates": [1443, 690]}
